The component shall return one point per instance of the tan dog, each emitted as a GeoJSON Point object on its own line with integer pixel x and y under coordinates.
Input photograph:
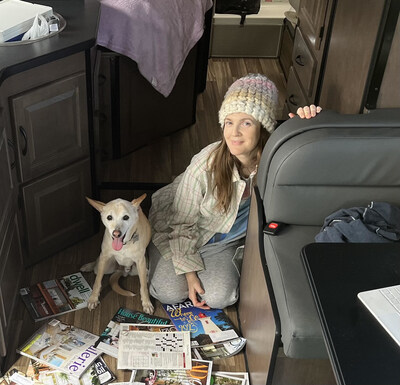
{"type": "Point", "coordinates": [126, 237]}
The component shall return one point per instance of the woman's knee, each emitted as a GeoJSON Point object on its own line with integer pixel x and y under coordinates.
{"type": "Point", "coordinates": [168, 294]}
{"type": "Point", "coordinates": [220, 299]}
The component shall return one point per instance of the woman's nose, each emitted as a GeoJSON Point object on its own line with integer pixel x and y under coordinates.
{"type": "Point", "coordinates": [236, 129]}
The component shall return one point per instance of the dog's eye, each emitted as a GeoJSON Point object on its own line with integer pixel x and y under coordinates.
{"type": "Point", "coordinates": [109, 217]}
{"type": "Point", "coordinates": [126, 217]}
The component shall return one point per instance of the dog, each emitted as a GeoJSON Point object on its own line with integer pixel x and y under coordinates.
{"type": "Point", "coordinates": [126, 236]}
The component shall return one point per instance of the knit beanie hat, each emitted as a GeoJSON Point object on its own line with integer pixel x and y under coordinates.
{"type": "Point", "coordinates": [255, 95]}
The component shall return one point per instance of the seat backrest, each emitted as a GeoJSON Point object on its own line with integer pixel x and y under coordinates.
{"type": "Point", "coordinates": [308, 170]}
{"type": "Point", "coordinates": [311, 168]}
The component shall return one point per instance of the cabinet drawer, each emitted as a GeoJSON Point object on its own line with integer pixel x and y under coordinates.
{"type": "Point", "coordinates": [56, 211]}
{"type": "Point", "coordinates": [51, 126]}
{"type": "Point", "coordinates": [295, 95]}
{"type": "Point", "coordinates": [304, 63]}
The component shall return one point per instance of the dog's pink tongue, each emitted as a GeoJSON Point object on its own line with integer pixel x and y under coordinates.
{"type": "Point", "coordinates": [117, 244]}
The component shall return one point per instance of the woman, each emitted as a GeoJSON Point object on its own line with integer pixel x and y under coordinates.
{"type": "Point", "coordinates": [199, 221]}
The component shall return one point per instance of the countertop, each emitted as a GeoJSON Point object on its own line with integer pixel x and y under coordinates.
{"type": "Point", "coordinates": [79, 34]}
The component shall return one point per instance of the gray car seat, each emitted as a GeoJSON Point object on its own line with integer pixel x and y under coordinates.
{"type": "Point", "coordinates": [309, 169]}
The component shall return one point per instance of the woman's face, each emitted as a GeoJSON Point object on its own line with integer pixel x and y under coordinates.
{"type": "Point", "coordinates": [241, 133]}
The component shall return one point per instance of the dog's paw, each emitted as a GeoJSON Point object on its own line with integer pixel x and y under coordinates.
{"type": "Point", "coordinates": [88, 267]}
{"type": "Point", "coordinates": [92, 303]}
{"type": "Point", "coordinates": [148, 307]}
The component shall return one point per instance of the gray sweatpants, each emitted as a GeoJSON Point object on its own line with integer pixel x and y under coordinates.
{"type": "Point", "coordinates": [220, 277]}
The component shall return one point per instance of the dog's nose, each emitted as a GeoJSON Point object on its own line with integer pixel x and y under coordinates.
{"type": "Point", "coordinates": [116, 233]}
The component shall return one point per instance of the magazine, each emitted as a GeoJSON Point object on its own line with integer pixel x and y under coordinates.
{"type": "Point", "coordinates": [227, 378]}
{"type": "Point", "coordinates": [200, 374]}
{"type": "Point", "coordinates": [56, 296]}
{"type": "Point", "coordinates": [98, 374]}
{"type": "Point", "coordinates": [15, 377]}
{"type": "Point", "coordinates": [149, 346]}
{"type": "Point", "coordinates": [108, 340]}
{"type": "Point", "coordinates": [219, 350]}
{"type": "Point", "coordinates": [206, 326]}
{"type": "Point", "coordinates": [63, 347]}
{"type": "Point", "coordinates": [236, 375]}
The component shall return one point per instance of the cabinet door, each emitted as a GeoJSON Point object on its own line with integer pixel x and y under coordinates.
{"type": "Point", "coordinates": [56, 212]}
{"type": "Point", "coordinates": [7, 187]}
{"type": "Point", "coordinates": [312, 15]}
{"type": "Point", "coordinates": [51, 125]}
{"type": "Point", "coordinates": [295, 95]}
{"type": "Point", "coordinates": [10, 278]}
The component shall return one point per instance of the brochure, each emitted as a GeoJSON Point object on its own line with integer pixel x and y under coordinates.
{"type": "Point", "coordinates": [200, 374]}
{"type": "Point", "coordinates": [148, 347]}
{"type": "Point", "coordinates": [108, 340]}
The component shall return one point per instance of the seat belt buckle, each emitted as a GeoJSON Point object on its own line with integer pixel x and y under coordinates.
{"type": "Point", "coordinates": [273, 227]}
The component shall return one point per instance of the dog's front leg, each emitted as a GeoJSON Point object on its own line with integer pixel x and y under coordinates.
{"type": "Point", "coordinates": [94, 297]}
{"type": "Point", "coordinates": [144, 291]}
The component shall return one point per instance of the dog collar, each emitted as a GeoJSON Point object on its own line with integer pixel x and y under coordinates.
{"type": "Point", "coordinates": [134, 238]}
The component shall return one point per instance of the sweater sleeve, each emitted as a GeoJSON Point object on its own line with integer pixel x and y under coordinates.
{"type": "Point", "coordinates": [184, 236]}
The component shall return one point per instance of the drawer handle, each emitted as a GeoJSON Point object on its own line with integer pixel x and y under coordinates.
{"type": "Point", "coordinates": [299, 61]}
{"type": "Point", "coordinates": [23, 133]}
{"type": "Point", "coordinates": [292, 100]}
{"type": "Point", "coordinates": [11, 145]}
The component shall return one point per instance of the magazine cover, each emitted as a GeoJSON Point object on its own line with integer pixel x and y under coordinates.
{"type": "Point", "coordinates": [206, 326]}
{"type": "Point", "coordinates": [219, 350]}
{"type": "Point", "coordinates": [98, 374]}
{"type": "Point", "coordinates": [238, 375]}
{"type": "Point", "coordinates": [108, 340]}
{"type": "Point", "coordinates": [16, 377]}
{"type": "Point", "coordinates": [56, 296]}
{"type": "Point", "coordinates": [63, 347]}
{"type": "Point", "coordinates": [149, 346]}
{"type": "Point", "coordinates": [227, 379]}
{"type": "Point", "coordinates": [200, 374]}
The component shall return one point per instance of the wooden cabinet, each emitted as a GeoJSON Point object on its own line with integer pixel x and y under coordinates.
{"type": "Point", "coordinates": [51, 125]}
{"type": "Point", "coordinates": [339, 53]}
{"type": "Point", "coordinates": [10, 241]}
{"type": "Point", "coordinates": [307, 55]}
{"type": "Point", "coordinates": [48, 116]}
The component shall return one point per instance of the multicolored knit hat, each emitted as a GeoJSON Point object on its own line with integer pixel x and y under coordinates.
{"type": "Point", "coordinates": [255, 95]}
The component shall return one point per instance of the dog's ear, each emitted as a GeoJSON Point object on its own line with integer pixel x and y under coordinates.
{"type": "Point", "coordinates": [96, 204]}
{"type": "Point", "coordinates": [136, 202]}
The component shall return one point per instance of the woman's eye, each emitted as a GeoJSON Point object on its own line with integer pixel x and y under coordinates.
{"type": "Point", "coordinates": [126, 217]}
{"type": "Point", "coordinates": [228, 123]}
{"type": "Point", "coordinates": [247, 123]}
{"type": "Point", "coordinates": [109, 217]}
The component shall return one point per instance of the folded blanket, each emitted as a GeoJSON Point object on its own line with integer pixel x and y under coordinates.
{"type": "Point", "coordinates": [156, 34]}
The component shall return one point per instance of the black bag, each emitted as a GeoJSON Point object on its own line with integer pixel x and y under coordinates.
{"type": "Point", "coordinates": [238, 7]}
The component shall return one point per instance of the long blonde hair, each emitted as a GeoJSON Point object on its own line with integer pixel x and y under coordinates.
{"type": "Point", "coordinates": [221, 166]}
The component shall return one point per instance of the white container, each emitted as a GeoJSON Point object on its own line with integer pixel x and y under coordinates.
{"type": "Point", "coordinates": [17, 16]}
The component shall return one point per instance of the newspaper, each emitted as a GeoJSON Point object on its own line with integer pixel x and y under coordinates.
{"type": "Point", "coordinates": [142, 348]}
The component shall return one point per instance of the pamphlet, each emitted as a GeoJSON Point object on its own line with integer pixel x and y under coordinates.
{"type": "Point", "coordinates": [148, 347]}
{"type": "Point", "coordinates": [219, 350]}
{"type": "Point", "coordinates": [200, 374]}
{"type": "Point", "coordinates": [108, 340]}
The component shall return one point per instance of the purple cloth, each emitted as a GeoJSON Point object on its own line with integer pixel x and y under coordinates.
{"type": "Point", "coordinates": [156, 34]}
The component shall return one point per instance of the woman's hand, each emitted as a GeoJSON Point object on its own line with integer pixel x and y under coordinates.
{"type": "Point", "coordinates": [195, 288]}
{"type": "Point", "coordinates": [306, 112]}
